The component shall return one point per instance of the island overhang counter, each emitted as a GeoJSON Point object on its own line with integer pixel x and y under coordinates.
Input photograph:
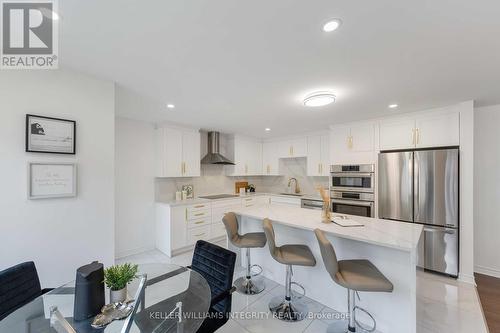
{"type": "Point", "coordinates": [391, 246]}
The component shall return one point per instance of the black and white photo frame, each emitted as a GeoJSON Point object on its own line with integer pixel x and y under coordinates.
{"type": "Point", "coordinates": [50, 135]}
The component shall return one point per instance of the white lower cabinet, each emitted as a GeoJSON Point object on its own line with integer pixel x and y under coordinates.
{"type": "Point", "coordinates": [178, 228]}
{"type": "Point", "coordinates": [217, 230]}
{"type": "Point", "coordinates": [199, 233]}
{"type": "Point", "coordinates": [281, 200]}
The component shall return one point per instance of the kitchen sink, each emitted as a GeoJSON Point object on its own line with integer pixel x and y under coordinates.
{"type": "Point", "coordinates": [292, 194]}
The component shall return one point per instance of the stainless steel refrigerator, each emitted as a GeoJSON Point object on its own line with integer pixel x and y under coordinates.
{"type": "Point", "coordinates": [421, 186]}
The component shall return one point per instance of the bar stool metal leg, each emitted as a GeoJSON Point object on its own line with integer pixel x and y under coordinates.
{"type": "Point", "coordinates": [351, 325]}
{"type": "Point", "coordinates": [286, 309]}
{"type": "Point", "coordinates": [245, 284]}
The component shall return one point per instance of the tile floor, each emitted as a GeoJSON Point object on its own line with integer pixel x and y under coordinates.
{"type": "Point", "coordinates": [442, 304]}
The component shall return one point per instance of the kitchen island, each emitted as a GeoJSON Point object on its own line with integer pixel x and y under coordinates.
{"type": "Point", "coordinates": [391, 246]}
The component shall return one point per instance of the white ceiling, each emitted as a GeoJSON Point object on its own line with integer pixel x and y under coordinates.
{"type": "Point", "coordinates": [239, 66]}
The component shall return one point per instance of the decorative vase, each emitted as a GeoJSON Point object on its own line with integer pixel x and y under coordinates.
{"type": "Point", "coordinates": [118, 296]}
{"type": "Point", "coordinates": [325, 213]}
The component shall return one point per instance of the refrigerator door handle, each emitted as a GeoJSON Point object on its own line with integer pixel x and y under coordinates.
{"type": "Point", "coordinates": [416, 187]}
{"type": "Point", "coordinates": [449, 232]}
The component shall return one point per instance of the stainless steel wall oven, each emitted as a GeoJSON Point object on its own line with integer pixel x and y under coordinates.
{"type": "Point", "coordinates": [352, 189]}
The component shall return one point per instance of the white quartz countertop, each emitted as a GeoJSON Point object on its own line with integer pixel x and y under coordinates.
{"type": "Point", "coordinates": [195, 201]}
{"type": "Point", "coordinates": [398, 235]}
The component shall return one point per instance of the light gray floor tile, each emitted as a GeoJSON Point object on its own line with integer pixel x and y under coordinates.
{"type": "Point", "coordinates": [232, 327]}
{"type": "Point", "coordinates": [317, 326]}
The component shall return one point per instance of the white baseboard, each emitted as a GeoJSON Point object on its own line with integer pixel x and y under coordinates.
{"type": "Point", "coordinates": [131, 252]}
{"type": "Point", "coordinates": [487, 271]}
{"type": "Point", "coordinates": [466, 278]}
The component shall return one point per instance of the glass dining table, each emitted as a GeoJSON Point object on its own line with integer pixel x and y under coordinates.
{"type": "Point", "coordinates": [171, 298]}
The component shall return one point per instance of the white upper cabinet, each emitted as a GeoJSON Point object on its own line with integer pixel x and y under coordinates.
{"type": "Point", "coordinates": [247, 157]}
{"type": "Point", "coordinates": [293, 148]}
{"type": "Point", "coordinates": [191, 153]}
{"type": "Point", "coordinates": [352, 143]}
{"type": "Point", "coordinates": [270, 159]}
{"type": "Point", "coordinates": [437, 129]}
{"type": "Point", "coordinates": [177, 152]}
{"type": "Point", "coordinates": [362, 137]}
{"type": "Point", "coordinates": [318, 155]}
{"type": "Point", "coordinates": [397, 134]}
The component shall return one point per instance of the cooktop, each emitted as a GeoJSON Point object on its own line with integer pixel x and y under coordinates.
{"type": "Point", "coordinates": [219, 196]}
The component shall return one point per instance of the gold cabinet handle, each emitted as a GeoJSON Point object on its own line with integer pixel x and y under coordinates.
{"type": "Point", "coordinates": [321, 164]}
{"type": "Point", "coordinates": [199, 214]}
{"type": "Point", "coordinates": [248, 199]}
{"type": "Point", "coordinates": [349, 142]}
{"type": "Point", "coordinates": [186, 215]}
{"type": "Point", "coordinates": [198, 235]}
{"type": "Point", "coordinates": [268, 169]}
{"type": "Point", "coordinates": [199, 222]}
{"type": "Point", "coordinates": [319, 168]}
{"type": "Point", "coordinates": [199, 206]}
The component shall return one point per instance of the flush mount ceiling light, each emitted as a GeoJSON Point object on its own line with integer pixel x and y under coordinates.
{"type": "Point", "coordinates": [332, 25]}
{"type": "Point", "coordinates": [393, 106]}
{"type": "Point", "coordinates": [170, 106]}
{"type": "Point", "coordinates": [319, 98]}
{"type": "Point", "coordinates": [267, 129]}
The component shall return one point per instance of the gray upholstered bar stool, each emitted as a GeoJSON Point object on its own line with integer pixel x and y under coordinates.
{"type": "Point", "coordinates": [354, 275]}
{"type": "Point", "coordinates": [245, 284]}
{"type": "Point", "coordinates": [285, 308]}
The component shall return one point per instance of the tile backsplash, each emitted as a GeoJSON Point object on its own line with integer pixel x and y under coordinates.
{"type": "Point", "coordinates": [214, 181]}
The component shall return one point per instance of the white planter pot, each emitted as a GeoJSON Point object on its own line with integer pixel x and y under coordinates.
{"type": "Point", "coordinates": [117, 296]}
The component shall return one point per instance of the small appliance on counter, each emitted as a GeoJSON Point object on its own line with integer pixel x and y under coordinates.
{"type": "Point", "coordinates": [89, 291]}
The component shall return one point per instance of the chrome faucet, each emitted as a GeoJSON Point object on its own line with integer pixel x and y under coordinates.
{"type": "Point", "coordinates": [297, 188]}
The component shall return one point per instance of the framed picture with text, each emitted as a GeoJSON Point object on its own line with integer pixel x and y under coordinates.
{"type": "Point", "coordinates": [50, 135]}
{"type": "Point", "coordinates": [51, 180]}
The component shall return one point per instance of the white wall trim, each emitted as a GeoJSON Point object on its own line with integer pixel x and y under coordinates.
{"type": "Point", "coordinates": [466, 278]}
{"type": "Point", "coordinates": [131, 252]}
{"type": "Point", "coordinates": [487, 271]}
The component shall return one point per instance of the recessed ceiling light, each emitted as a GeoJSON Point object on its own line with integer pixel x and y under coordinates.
{"type": "Point", "coordinates": [170, 106]}
{"type": "Point", "coordinates": [267, 129]}
{"type": "Point", "coordinates": [393, 106]}
{"type": "Point", "coordinates": [319, 98]}
{"type": "Point", "coordinates": [332, 25]}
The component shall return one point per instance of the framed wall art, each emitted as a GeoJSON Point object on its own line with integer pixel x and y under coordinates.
{"type": "Point", "coordinates": [50, 135]}
{"type": "Point", "coordinates": [51, 180]}
{"type": "Point", "coordinates": [189, 191]}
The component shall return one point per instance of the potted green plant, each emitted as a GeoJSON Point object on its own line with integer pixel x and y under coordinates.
{"type": "Point", "coordinates": [116, 278]}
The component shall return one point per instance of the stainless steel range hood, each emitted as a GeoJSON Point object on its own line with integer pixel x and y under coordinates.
{"type": "Point", "coordinates": [214, 156]}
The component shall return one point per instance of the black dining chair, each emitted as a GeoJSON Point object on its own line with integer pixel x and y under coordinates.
{"type": "Point", "coordinates": [216, 265]}
{"type": "Point", "coordinates": [19, 285]}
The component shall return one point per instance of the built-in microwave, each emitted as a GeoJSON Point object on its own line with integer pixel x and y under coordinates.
{"type": "Point", "coordinates": [354, 178]}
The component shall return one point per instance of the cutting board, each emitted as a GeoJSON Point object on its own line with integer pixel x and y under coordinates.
{"type": "Point", "coordinates": [238, 185]}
